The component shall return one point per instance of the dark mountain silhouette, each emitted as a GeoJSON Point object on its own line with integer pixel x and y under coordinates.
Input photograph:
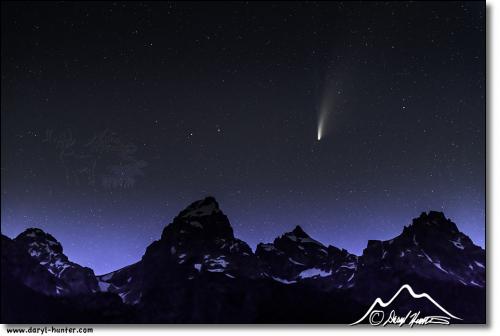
{"type": "Point", "coordinates": [198, 272]}
{"type": "Point", "coordinates": [44, 248]}
{"type": "Point", "coordinates": [296, 257]}
{"type": "Point", "coordinates": [32, 294]}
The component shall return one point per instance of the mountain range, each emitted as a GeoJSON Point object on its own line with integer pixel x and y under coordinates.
{"type": "Point", "coordinates": [199, 272]}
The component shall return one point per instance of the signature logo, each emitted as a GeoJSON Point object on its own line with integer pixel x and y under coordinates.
{"type": "Point", "coordinates": [379, 317]}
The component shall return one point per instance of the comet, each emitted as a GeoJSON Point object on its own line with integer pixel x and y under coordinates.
{"type": "Point", "coordinates": [320, 128]}
{"type": "Point", "coordinates": [324, 113]}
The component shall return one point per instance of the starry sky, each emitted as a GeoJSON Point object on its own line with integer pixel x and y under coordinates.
{"type": "Point", "coordinates": [116, 116]}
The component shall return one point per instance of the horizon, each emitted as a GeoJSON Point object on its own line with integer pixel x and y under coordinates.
{"type": "Point", "coordinates": [358, 252]}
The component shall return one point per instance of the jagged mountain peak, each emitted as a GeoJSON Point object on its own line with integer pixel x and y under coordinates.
{"type": "Point", "coordinates": [432, 247]}
{"type": "Point", "coordinates": [48, 252]}
{"type": "Point", "coordinates": [201, 220]}
{"type": "Point", "coordinates": [297, 237]}
{"type": "Point", "coordinates": [201, 208]}
{"type": "Point", "coordinates": [295, 256]}
{"type": "Point", "coordinates": [299, 232]}
{"type": "Point", "coordinates": [37, 237]}
{"type": "Point", "coordinates": [199, 241]}
{"type": "Point", "coordinates": [435, 220]}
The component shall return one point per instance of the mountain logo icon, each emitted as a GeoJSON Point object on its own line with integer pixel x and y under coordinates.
{"type": "Point", "coordinates": [377, 317]}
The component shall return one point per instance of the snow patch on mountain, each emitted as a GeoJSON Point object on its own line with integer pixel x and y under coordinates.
{"type": "Point", "coordinates": [284, 281]}
{"type": "Point", "coordinates": [103, 286]}
{"type": "Point", "coordinates": [457, 243]}
{"type": "Point", "coordinates": [438, 265]}
{"type": "Point", "coordinates": [479, 264]}
{"type": "Point", "coordinates": [314, 272]}
{"type": "Point", "coordinates": [295, 262]}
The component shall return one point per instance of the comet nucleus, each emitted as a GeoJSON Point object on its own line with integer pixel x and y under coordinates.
{"type": "Point", "coordinates": [320, 130]}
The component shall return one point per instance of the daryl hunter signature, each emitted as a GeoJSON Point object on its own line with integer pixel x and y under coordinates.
{"type": "Point", "coordinates": [377, 317]}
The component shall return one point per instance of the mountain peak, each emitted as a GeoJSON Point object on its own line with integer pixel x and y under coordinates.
{"type": "Point", "coordinates": [201, 219]}
{"type": "Point", "coordinates": [299, 232]}
{"type": "Point", "coordinates": [37, 236]}
{"type": "Point", "coordinates": [200, 208]}
{"type": "Point", "coordinates": [36, 232]}
{"type": "Point", "coordinates": [48, 252]}
{"type": "Point", "coordinates": [435, 219]}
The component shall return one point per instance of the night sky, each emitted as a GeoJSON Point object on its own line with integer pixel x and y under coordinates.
{"type": "Point", "coordinates": [116, 116]}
